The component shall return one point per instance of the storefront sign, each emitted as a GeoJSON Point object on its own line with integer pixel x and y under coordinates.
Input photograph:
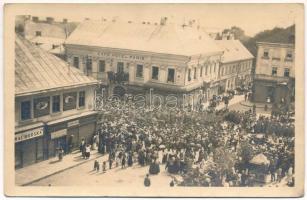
{"type": "Point", "coordinates": [73, 123]}
{"type": "Point", "coordinates": [29, 134]}
{"type": "Point", "coordinates": [58, 134]}
{"type": "Point", "coordinates": [120, 56]}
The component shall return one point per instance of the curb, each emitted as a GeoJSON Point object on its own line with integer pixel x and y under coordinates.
{"type": "Point", "coordinates": [60, 171]}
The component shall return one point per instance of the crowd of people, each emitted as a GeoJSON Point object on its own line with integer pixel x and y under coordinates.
{"type": "Point", "coordinates": [201, 148]}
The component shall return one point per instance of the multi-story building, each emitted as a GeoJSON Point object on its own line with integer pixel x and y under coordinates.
{"type": "Point", "coordinates": [53, 104]}
{"type": "Point", "coordinates": [47, 33]}
{"type": "Point", "coordinates": [165, 57]}
{"type": "Point", "coordinates": [236, 65]}
{"type": "Point", "coordinates": [274, 73]}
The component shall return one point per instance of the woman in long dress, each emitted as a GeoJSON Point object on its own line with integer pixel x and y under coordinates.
{"type": "Point", "coordinates": [130, 159]}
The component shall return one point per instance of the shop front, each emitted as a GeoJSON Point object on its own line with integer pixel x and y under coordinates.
{"type": "Point", "coordinates": [56, 138]}
{"type": "Point", "coordinates": [68, 133]}
{"type": "Point", "coordinates": [29, 147]}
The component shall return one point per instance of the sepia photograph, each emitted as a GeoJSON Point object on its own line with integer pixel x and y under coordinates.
{"type": "Point", "coordinates": [165, 99]}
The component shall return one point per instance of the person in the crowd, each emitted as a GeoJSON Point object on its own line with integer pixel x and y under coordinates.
{"type": "Point", "coordinates": [82, 147]}
{"type": "Point", "coordinates": [147, 182]}
{"type": "Point", "coordinates": [192, 138]}
{"type": "Point", "coordinates": [110, 160]}
{"type": "Point", "coordinates": [96, 165]}
{"type": "Point", "coordinates": [123, 160]}
{"type": "Point", "coordinates": [104, 166]}
{"type": "Point", "coordinates": [130, 159]}
{"type": "Point", "coordinates": [172, 183]}
{"type": "Point", "coordinates": [61, 154]}
{"type": "Point", "coordinates": [87, 151]}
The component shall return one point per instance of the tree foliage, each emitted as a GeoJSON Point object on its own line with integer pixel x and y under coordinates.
{"type": "Point", "coordinates": [224, 160]}
{"type": "Point", "coordinates": [246, 152]}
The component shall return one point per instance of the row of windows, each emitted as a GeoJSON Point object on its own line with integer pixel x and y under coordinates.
{"type": "Point", "coordinates": [89, 64]}
{"type": "Point", "coordinates": [41, 105]}
{"type": "Point", "coordinates": [120, 68]}
{"type": "Point", "coordinates": [276, 54]}
{"type": "Point", "coordinates": [208, 69]}
{"type": "Point", "coordinates": [286, 71]}
{"type": "Point", "coordinates": [232, 69]}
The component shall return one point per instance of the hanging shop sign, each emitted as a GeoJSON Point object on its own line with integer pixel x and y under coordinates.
{"type": "Point", "coordinates": [29, 134]}
{"type": "Point", "coordinates": [58, 134]}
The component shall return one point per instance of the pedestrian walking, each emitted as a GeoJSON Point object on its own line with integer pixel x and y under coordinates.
{"type": "Point", "coordinates": [279, 174]}
{"type": "Point", "coordinates": [124, 161]}
{"type": "Point", "coordinates": [82, 148]}
{"type": "Point", "coordinates": [104, 166]}
{"type": "Point", "coordinates": [147, 182]}
{"type": "Point", "coordinates": [87, 151]}
{"type": "Point", "coordinates": [110, 163]}
{"type": "Point", "coordinates": [61, 153]}
{"type": "Point", "coordinates": [172, 183]}
{"type": "Point", "coordinates": [130, 159]}
{"type": "Point", "coordinates": [96, 166]}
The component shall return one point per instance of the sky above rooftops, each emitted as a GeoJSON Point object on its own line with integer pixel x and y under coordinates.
{"type": "Point", "coordinates": [252, 18]}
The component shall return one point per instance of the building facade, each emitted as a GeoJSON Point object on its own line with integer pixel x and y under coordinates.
{"type": "Point", "coordinates": [47, 33]}
{"type": "Point", "coordinates": [164, 58]}
{"type": "Point", "coordinates": [54, 105]}
{"type": "Point", "coordinates": [236, 65]}
{"type": "Point", "coordinates": [275, 73]}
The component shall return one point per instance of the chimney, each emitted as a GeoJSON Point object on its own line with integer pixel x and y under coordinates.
{"type": "Point", "coordinates": [35, 19]}
{"type": "Point", "coordinates": [50, 20]}
{"type": "Point", "coordinates": [65, 21]}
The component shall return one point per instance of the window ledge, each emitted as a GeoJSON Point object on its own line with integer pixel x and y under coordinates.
{"type": "Point", "coordinates": [25, 121]}
{"type": "Point", "coordinates": [56, 113]}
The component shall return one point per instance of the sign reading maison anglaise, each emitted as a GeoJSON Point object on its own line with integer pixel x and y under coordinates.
{"type": "Point", "coordinates": [29, 134]}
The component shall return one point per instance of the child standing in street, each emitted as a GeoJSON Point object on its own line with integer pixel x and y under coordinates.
{"type": "Point", "coordinates": [104, 166]}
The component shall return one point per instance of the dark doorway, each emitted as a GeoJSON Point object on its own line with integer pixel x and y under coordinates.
{"type": "Point", "coordinates": [120, 67]}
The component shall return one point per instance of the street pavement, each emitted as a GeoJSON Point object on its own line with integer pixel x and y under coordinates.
{"type": "Point", "coordinates": [85, 175]}
{"type": "Point", "coordinates": [41, 170]}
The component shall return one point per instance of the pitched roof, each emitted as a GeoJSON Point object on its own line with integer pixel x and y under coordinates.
{"type": "Point", "coordinates": [54, 30]}
{"type": "Point", "coordinates": [234, 50]}
{"type": "Point", "coordinates": [169, 38]}
{"type": "Point", "coordinates": [37, 71]}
